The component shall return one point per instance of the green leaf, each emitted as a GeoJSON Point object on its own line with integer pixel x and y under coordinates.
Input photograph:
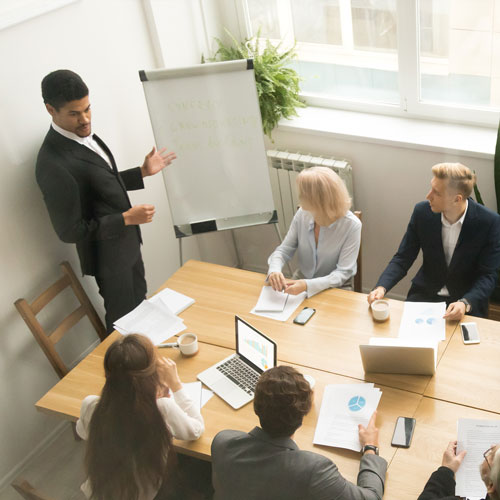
{"type": "Point", "coordinates": [278, 85]}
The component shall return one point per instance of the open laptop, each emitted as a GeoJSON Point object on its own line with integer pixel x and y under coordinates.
{"type": "Point", "coordinates": [234, 378]}
{"type": "Point", "coordinates": [399, 356]}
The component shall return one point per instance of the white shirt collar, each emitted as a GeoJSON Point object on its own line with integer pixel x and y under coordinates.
{"type": "Point", "coordinates": [445, 222]}
{"type": "Point", "coordinates": [84, 141]}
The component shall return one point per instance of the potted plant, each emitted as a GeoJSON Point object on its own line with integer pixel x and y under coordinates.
{"type": "Point", "coordinates": [277, 84]}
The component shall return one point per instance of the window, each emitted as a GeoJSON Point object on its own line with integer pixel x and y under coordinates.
{"type": "Point", "coordinates": [423, 58]}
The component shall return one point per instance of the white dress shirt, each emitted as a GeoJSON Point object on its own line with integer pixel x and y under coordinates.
{"type": "Point", "coordinates": [326, 265]}
{"type": "Point", "coordinates": [88, 142]}
{"type": "Point", "coordinates": [450, 234]}
{"type": "Point", "coordinates": [179, 412]}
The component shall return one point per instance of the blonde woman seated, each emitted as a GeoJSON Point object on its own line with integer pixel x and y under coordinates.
{"type": "Point", "coordinates": [130, 427]}
{"type": "Point", "coordinates": [325, 234]}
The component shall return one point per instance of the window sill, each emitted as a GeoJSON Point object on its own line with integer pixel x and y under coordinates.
{"type": "Point", "coordinates": [463, 140]}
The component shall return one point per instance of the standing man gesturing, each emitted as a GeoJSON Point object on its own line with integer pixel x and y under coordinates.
{"type": "Point", "coordinates": [87, 197]}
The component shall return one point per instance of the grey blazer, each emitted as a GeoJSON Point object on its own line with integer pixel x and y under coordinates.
{"type": "Point", "coordinates": [257, 466]}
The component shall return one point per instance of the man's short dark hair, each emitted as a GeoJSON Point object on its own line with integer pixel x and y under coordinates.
{"type": "Point", "coordinates": [63, 86]}
{"type": "Point", "coordinates": [283, 397]}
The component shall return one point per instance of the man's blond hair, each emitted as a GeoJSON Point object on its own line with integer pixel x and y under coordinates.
{"type": "Point", "coordinates": [460, 178]}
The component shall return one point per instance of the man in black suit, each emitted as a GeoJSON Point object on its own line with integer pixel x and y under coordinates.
{"type": "Point", "coordinates": [460, 242]}
{"type": "Point", "coordinates": [441, 484]}
{"type": "Point", "coordinates": [87, 197]}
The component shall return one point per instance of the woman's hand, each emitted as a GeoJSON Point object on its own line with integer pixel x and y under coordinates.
{"type": "Point", "coordinates": [169, 378]}
{"type": "Point", "coordinates": [294, 287]}
{"type": "Point", "coordinates": [277, 281]}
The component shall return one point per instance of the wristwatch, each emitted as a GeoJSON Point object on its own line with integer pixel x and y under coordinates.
{"type": "Point", "coordinates": [369, 447]}
{"type": "Point", "coordinates": [468, 307]}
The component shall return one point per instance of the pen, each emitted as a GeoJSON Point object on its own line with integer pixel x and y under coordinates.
{"type": "Point", "coordinates": [173, 344]}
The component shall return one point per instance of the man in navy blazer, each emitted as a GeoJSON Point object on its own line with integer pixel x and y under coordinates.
{"type": "Point", "coordinates": [460, 242]}
{"type": "Point", "coordinates": [86, 195]}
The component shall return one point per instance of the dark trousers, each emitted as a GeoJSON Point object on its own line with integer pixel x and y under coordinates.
{"type": "Point", "coordinates": [122, 292]}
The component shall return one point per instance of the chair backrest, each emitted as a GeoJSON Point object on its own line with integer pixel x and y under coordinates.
{"type": "Point", "coordinates": [27, 491]}
{"type": "Point", "coordinates": [358, 278]}
{"type": "Point", "coordinates": [46, 340]}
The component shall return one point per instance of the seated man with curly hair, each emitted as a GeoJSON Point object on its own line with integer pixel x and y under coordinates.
{"type": "Point", "coordinates": [266, 463]}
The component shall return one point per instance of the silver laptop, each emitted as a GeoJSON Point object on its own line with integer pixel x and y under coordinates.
{"type": "Point", "coordinates": [234, 378]}
{"type": "Point", "coordinates": [406, 360]}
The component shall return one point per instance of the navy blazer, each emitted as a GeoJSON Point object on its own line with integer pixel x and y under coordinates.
{"type": "Point", "coordinates": [86, 198]}
{"type": "Point", "coordinates": [473, 269]}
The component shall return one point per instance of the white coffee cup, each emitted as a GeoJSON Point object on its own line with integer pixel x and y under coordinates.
{"type": "Point", "coordinates": [188, 344]}
{"type": "Point", "coordinates": [380, 309]}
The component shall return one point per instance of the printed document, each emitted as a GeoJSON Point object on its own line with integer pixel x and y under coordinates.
{"type": "Point", "coordinates": [343, 407]}
{"type": "Point", "coordinates": [152, 320]}
{"type": "Point", "coordinates": [175, 301]}
{"type": "Point", "coordinates": [423, 320]}
{"type": "Point", "coordinates": [474, 436]}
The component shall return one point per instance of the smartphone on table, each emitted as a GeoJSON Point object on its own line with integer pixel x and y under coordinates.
{"type": "Point", "coordinates": [304, 316]}
{"type": "Point", "coordinates": [403, 432]}
{"type": "Point", "coordinates": [470, 333]}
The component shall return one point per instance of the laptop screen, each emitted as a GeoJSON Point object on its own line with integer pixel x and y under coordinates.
{"type": "Point", "coordinates": [255, 347]}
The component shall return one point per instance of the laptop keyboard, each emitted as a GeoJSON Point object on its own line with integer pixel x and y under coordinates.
{"type": "Point", "coordinates": [240, 373]}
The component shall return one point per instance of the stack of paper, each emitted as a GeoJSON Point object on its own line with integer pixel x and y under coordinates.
{"type": "Point", "coordinates": [175, 301]}
{"type": "Point", "coordinates": [423, 320]}
{"type": "Point", "coordinates": [344, 406]}
{"type": "Point", "coordinates": [474, 436]}
{"type": "Point", "coordinates": [156, 318]}
{"type": "Point", "coordinates": [277, 305]}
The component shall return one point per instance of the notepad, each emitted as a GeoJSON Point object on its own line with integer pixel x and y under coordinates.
{"type": "Point", "coordinates": [271, 301]}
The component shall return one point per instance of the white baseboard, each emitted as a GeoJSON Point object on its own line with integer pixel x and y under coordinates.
{"type": "Point", "coordinates": [18, 469]}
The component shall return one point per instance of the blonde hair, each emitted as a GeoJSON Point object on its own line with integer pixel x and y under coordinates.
{"type": "Point", "coordinates": [324, 191]}
{"type": "Point", "coordinates": [460, 178]}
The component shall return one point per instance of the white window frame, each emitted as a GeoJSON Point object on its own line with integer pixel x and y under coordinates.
{"type": "Point", "coordinates": [408, 74]}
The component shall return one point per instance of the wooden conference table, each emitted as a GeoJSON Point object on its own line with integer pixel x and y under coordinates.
{"type": "Point", "coordinates": [466, 383]}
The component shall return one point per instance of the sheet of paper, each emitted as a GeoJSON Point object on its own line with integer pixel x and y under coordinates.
{"type": "Point", "coordinates": [197, 393]}
{"type": "Point", "coordinates": [423, 320]}
{"type": "Point", "coordinates": [292, 303]}
{"type": "Point", "coordinates": [271, 300]}
{"type": "Point", "coordinates": [475, 436]}
{"type": "Point", "coordinates": [151, 320]}
{"type": "Point", "coordinates": [343, 407]}
{"type": "Point", "coordinates": [175, 301]}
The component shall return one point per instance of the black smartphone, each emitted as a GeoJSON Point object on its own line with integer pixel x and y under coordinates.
{"type": "Point", "coordinates": [304, 316]}
{"type": "Point", "coordinates": [403, 432]}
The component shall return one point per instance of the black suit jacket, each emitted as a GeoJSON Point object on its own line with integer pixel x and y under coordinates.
{"type": "Point", "coordinates": [473, 269]}
{"type": "Point", "coordinates": [85, 199]}
{"type": "Point", "coordinates": [440, 486]}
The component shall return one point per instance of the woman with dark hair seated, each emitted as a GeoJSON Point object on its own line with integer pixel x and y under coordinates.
{"type": "Point", "coordinates": [130, 427]}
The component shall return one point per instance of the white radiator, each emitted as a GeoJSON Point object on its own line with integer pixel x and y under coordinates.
{"type": "Point", "coordinates": [284, 169]}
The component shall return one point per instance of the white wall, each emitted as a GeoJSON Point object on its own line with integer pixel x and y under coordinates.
{"type": "Point", "coordinates": [106, 42]}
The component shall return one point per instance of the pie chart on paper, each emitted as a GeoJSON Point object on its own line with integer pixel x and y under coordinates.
{"type": "Point", "coordinates": [356, 403]}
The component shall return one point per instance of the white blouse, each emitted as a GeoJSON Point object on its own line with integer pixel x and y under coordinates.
{"type": "Point", "coordinates": [326, 265]}
{"type": "Point", "coordinates": [180, 414]}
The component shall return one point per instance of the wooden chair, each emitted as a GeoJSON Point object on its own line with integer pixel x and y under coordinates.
{"type": "Point", "coordinates": [46, 340]}
{"type": "Point", "coordinates": [358, 277]}
{"type": "Point", "coordinates": [26, 490]}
